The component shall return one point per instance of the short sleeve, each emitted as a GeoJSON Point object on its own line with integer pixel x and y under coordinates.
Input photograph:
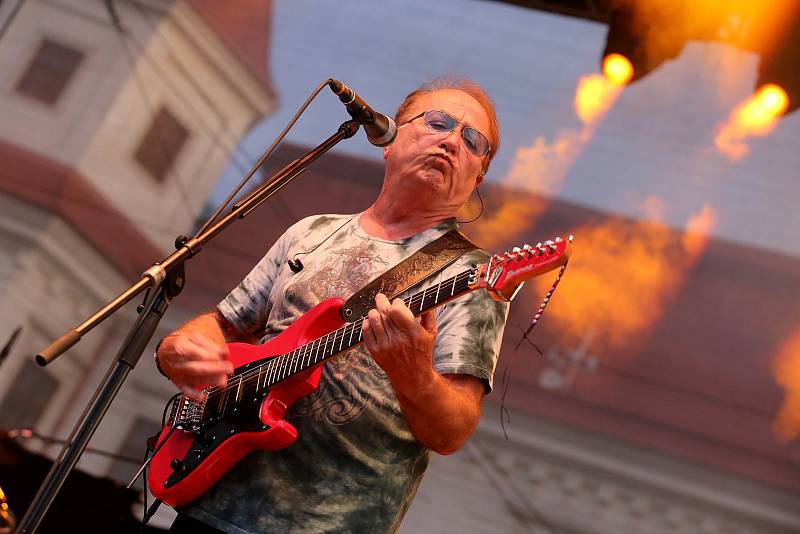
{"type": "Point", "coordinates": [248, 305]}
{"type": "Point", "coordinates": [470, 332]}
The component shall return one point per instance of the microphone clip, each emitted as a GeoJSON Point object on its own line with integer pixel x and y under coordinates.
{"type": "Point", "coordinates": [295, 265]}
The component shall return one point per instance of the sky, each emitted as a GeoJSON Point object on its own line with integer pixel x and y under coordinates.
{"type": "Point", "coordinates": [651, 156]}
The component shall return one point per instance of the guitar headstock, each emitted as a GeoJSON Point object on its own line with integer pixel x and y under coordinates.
{"type": "Point", "coordinates": [503, 275]}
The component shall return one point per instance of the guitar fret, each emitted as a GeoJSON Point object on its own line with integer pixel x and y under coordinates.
{"type": "Point", "coordinates": [283, 372]}
{"type": "Point", "coordinates": [319, 353]}
{"type": "Point", "coordinates": [224, 403]}
{"type": "Point", "coordinates": [416, 298]}
{"type": "Point", "coordinates": [284, 367]}
{"type": "Point", "coordinates": [325, 346]}
{"type": "Point", "coordinates": [312, 351]}
{"type": "Point", "coordinates": [340, 335]}
{"type": "Point", "coordinates": [293, 363]}
{"type": "Point", "coordinates": [453, 289]}
{"type": "Point", "coordinates": [428, 293]}
{"type": "Point", "coordinates": [270, 368]}
{"type": "Point", "coordinates": [300, 362]}
{"type": "Point", "coordinates": [316, 354]}
{"type": "Point", "coordinates": [332, 350]}
{"type": "Point", "coordinates": [322, 344]}
{"type": "Point", "coordinates": [239, 391]}
{"type": "Point", "coordinates": [303, 356]}
{"type": "Point", "coordinates": [299, 356]}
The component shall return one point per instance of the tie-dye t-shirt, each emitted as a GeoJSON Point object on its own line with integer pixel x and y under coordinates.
{"type": "Point", "coordinates": [355, 466]}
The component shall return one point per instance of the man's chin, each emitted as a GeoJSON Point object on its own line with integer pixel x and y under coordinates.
{"type": "Point", "coordinates": [436, 179]}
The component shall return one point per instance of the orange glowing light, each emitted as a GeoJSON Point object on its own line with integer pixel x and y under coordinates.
{"type": "Point", "coordinates": [786, 370]}
{"type": "Point", "coordinates": [769, 103]}
{"type": "Point", "coordinates": [594, 97]}
{"type": "Point", "coordinates": [756, 116]}
{"type": "Point", "coordinates": [623, 276]}
{"type": "Point", "coordinates": [617, 69]}
{"type": "Point", "coordinates": [535, 175]}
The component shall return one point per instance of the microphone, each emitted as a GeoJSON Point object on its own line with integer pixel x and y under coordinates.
{"type": "Point", "coordinates": [295, 265]}
{"type": "Point", "coordinates": [381, 130]}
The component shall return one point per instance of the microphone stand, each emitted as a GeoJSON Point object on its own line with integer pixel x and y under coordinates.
{"type": "Point", "coordinates": [163, 282]}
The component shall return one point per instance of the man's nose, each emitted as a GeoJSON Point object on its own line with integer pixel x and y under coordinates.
{"type": "Point", "coordinates": [452, 141]}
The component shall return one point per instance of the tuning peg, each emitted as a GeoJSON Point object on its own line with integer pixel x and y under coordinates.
{"type": "Point", "coordinates": [558, 239]}
{"type": "Point", "coordinates": [540, 248]}
{"type": "Point", "coordinates": [550, 245]}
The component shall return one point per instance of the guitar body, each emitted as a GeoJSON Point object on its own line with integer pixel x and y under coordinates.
{"type": "Point", "coordinates": [190, 462]}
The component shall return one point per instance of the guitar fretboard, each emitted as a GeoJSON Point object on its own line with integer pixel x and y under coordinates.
{"type": "Point", "coordinates": [249, 385]}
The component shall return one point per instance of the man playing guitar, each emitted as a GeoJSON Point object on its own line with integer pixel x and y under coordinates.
{"type": "Point", "coordinates": [414, 386]}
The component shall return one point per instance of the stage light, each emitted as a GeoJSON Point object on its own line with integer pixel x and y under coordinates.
{"type": "Point", "coordinates": [767, 105]}
{"type": "Point", "coordinates": [618, 69]}
{"type": "Point", "coordinates": [781, 67]}
{"type": "Point", "coordinates": [643, 38]}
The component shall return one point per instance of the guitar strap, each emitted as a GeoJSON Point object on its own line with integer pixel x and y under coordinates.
{"type": "Point", "coordinates": [425, 262]}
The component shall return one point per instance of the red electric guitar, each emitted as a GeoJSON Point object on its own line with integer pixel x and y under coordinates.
{"type": "Point", "coordinates": [202, 440]}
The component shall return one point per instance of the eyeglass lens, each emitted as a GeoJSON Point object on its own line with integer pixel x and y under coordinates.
{"type": "Point", "coordinates": [439, 121]}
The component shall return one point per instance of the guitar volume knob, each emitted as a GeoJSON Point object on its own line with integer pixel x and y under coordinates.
{"type": "Point", "coordinates": [176, 465]}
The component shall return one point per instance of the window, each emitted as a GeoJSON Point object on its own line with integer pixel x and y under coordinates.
{"type": "Point", "coordinates": [161, 144]}
{"type": "Point", "coordinates": [50, 71]}
{"type": "Point", "coordinates": [20, 407]}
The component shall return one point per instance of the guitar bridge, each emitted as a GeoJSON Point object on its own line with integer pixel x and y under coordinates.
{"type": "Point", "coordinates": [186, 413]}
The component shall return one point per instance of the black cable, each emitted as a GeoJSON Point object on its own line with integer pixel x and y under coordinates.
{"type": "Point", "coordinates": [144, 493]}
{"type": "Point", "coordinates": [296, 265]}
{"type": "Point", "coordinates": [146, 513]}
{"type": "Point", "coordinates": [10, 18]}
{"type": "Point", "coordinates": [264, 157]}
{"type": "Point", "coordinates": [479, 213]}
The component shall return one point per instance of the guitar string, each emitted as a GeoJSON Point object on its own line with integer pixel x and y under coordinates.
{"type": "Point", "coordinates": [277, 366]}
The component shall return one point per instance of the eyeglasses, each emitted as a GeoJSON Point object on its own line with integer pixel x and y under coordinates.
{"type": "Point", "coordinates": [439, 122]}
